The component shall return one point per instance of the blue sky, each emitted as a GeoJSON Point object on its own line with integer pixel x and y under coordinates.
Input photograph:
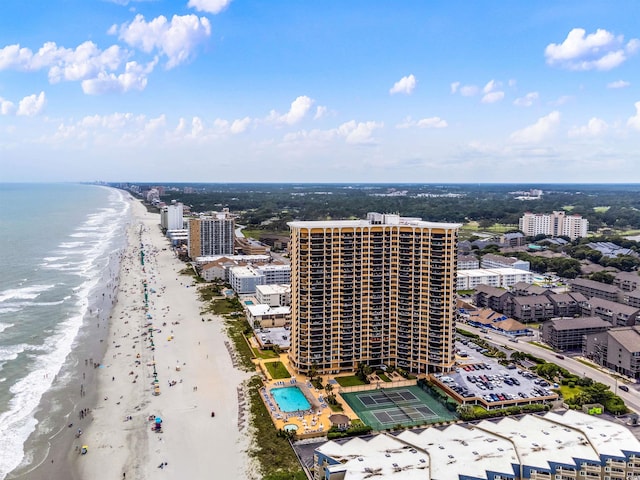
{"type": "Point", "coordinates": [308, 91]}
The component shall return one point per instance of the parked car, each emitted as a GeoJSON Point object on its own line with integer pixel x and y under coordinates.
{"type": "Point", "coordinates": [624, 388]}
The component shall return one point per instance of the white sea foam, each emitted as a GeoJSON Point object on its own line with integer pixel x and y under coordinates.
{"type": "Point", "coordinates": [25, 293]}
{"type": "Point", "coordinates": [18, 422]}
{"type": "Point", "coordinates": [4, 326]}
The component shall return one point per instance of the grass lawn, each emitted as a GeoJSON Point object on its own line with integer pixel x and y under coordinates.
{"type": "Point", "coordinates": [264, 354]}
{"type": "Point", "coordinates": [256, 233]}
{"type": "Point", "coordinates": [383, 377]}
{"type": "Point", "coordinates": [600, 209]}
{"type": "Point", "coordinates": [568, 392]}
{"type": "Point", "coordinates": [350, 381]}
{"type": "Point", "coordinates": [474, 226]}
{"type": "Point", "coordinates": [277, 370]}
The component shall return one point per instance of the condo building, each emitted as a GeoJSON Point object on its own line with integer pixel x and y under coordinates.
{"type": "Point", "coordinates": [379, 291]}
{"type": "Point", "coordinates": [557, 224]}
{"type": "Point", "coordinates": [211, 235]}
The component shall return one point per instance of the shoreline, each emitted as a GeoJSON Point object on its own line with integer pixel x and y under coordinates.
{"type": "Point", "coordinates": [47, 449]}
{"type": "Point", "coordinates": [189, 352]}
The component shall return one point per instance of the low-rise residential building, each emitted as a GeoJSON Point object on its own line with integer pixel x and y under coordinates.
{"type": "Point", "coordinates": [264, 316]}
{"type": "Point", "coordinates": [530, 447]}
{"type": "Point", "coordinates": [523, 289]}
{"type": "Point", "coordinates": [248, 246]}
{"type": "Point", "coordinates": [611, 250]}
{"type": "Point", "coordinates": [568, 333]}
{"type": "Point", "coordinates": [534, 308]}
{"type": "Point", "coordinates": [618, 349]}
{"type": "Point", "coordinates": [496, 277]}
{"type": "Point", "coordinates": [591, 288]}
{"type": "Point", "coordinates": [468, 262]}
{"type": "Point", "coordinates": [627, 281]}
{"type": "Point", "coordinates": [567, 304]}
{"type": "Point", "coordinates": [491, 260]}
{"type": "Point", "coordinates": [277, 295]}
{"type": "Point", "coordinates": [275, 273]}
{"type": "Point", "coordinates": [244, 280]}
{"type": "Point", "coordinates": [632, 298]}
{"type": "Point", "coordinates": [617, 314]}
{"type": "Point", "coordinates": [490, 297]}
{"type": "Point", "coordinates": [513, 239]}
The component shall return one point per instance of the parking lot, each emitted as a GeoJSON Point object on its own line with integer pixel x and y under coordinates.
{"type": "Point", "coordinates": [481, 379]}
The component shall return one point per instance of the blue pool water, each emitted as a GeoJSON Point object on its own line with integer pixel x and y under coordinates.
{"type": "Point", "coordinates": [248, 302]}
{"type": "Point", "coordinates": [290, 399]}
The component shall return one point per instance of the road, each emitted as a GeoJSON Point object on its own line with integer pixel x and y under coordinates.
{"type": "Point", "coordinates": [631, 398]}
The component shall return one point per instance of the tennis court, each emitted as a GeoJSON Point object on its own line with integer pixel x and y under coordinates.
{"type": "Point", "coordinates": [386, 408]}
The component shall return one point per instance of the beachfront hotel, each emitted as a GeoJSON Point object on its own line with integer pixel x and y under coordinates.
{"type": "Point", "coordinates": [379, 291]}
{"type": "Point", "coordinates": [212, 234]}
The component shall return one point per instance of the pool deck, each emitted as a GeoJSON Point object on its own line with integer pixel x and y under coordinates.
{"type": "Point", "coordinates": [313, 423]}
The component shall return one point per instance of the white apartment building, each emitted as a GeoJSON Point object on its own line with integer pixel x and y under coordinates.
{"type": "Point", "coordinates": [244, 280]}
{"type": "Point", "coordinates": [274, 274]}
{"type": "Point", "coordinates": [171, 216]}
{"type": "Point", "coordinates": [556, 224]}
{"type": "Point", "coordinates": [499, 261]}
{"type": "Point", "coordinates": [494, 277]}
{"type": "Point", "coordinates": [274, 295]}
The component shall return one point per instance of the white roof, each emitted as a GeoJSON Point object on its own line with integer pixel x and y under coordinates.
{"type": "Point", "coordinates": [273, 288]}
{"type": "Point", "coordinates": [494, 446]}
{"type": "Point", "coordinates": [607, 438]}
{"type": "Point", "coordinates": [366, 224]}
{"type": "Point", "coordinates": [383, 456]}
{"type": "Point", "coordinates": [244, 272]}
{"type": "Point", "coordinates": [539, 441]}
{"type": "Point", "coordinates": [262, 309]}
{"type": "Point", "coordinates": [465, 451]}
{"type": "Point", "coordinates": [486, 272]}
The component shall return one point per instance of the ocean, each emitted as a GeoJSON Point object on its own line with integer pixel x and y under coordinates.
{"type": "Point", "coordinates": [62, 245]}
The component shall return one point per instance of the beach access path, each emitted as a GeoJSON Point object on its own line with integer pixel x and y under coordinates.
{"type": "Point", "coordinates": [188, 353]}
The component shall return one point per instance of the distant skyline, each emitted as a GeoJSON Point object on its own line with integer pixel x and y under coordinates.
{"type": "Point", "coordinates": [334, 91]}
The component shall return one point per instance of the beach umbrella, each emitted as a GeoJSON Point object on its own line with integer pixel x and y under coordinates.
{"type": "Point", "coordinates": [158, 420]}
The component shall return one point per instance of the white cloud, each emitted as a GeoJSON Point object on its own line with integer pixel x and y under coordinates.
{"type": "Point", "coordinates": [86, 61]}
{"type": "Point", "coordinates": [431, 122]}
{"type": "Point", "coordinates": [562, 100]}
{"type": "Point", "coordinates": [634, 122]}
{"type": "Point", "coordinates": [526, 101]}
{"type": "Point", "coordinates": [469, 90]}
{"type": "Point", "coordinates": [538, 131]}
{"type": "Point", "coordinates": [491, 86]}
{"type": "Point", "coordinates": [209, 6]}
{"type": "Point", "coordinates": [133, 78]}
{"type": "Point", "coordinates": [352, 132]}
{"type": "Point", "coordinates": [177, 40]}
{"type": "Point", "coordinates": [31, 105]}
{"type": "Point", "coordinates": [6, 107]}
{"type": "Point", "coordinates": [240, 125]}
{"type": "Point", "coordinates": [593, 128]}
{"type": "Point", "coordinates": [358, 133]}
{"type": "Point", "coordinates": [601, 50]}
{"type": "Point", "coordinates": [454, 87]}
{"type": "Point", "coordinates": [405, 85]}
{"type": "Point", "coordinates": [299, 108]}
{"type": "Point", "coordinates": [618, 84]}
{"type": "Point", "coordinates": [492, 97]}
{"type": "Point", "coordinates": [321, 111]}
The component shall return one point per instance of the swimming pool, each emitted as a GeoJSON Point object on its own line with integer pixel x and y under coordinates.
{"type": "Point", "coordinates": [290, 399]}
{"type": "Point", "coordinates": [248, 302]}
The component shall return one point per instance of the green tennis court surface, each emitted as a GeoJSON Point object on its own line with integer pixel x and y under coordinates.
{"type": "Point", "coordinates": [407, 406]}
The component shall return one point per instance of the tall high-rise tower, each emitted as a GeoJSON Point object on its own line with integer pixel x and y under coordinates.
{"type": "Point", "coordinates": [212, 235]}
{"type": "Point", "coordinates": [376, 291]}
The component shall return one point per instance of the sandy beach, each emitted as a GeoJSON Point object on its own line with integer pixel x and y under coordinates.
{"type": "Point", "coordinates": [194, 372]}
